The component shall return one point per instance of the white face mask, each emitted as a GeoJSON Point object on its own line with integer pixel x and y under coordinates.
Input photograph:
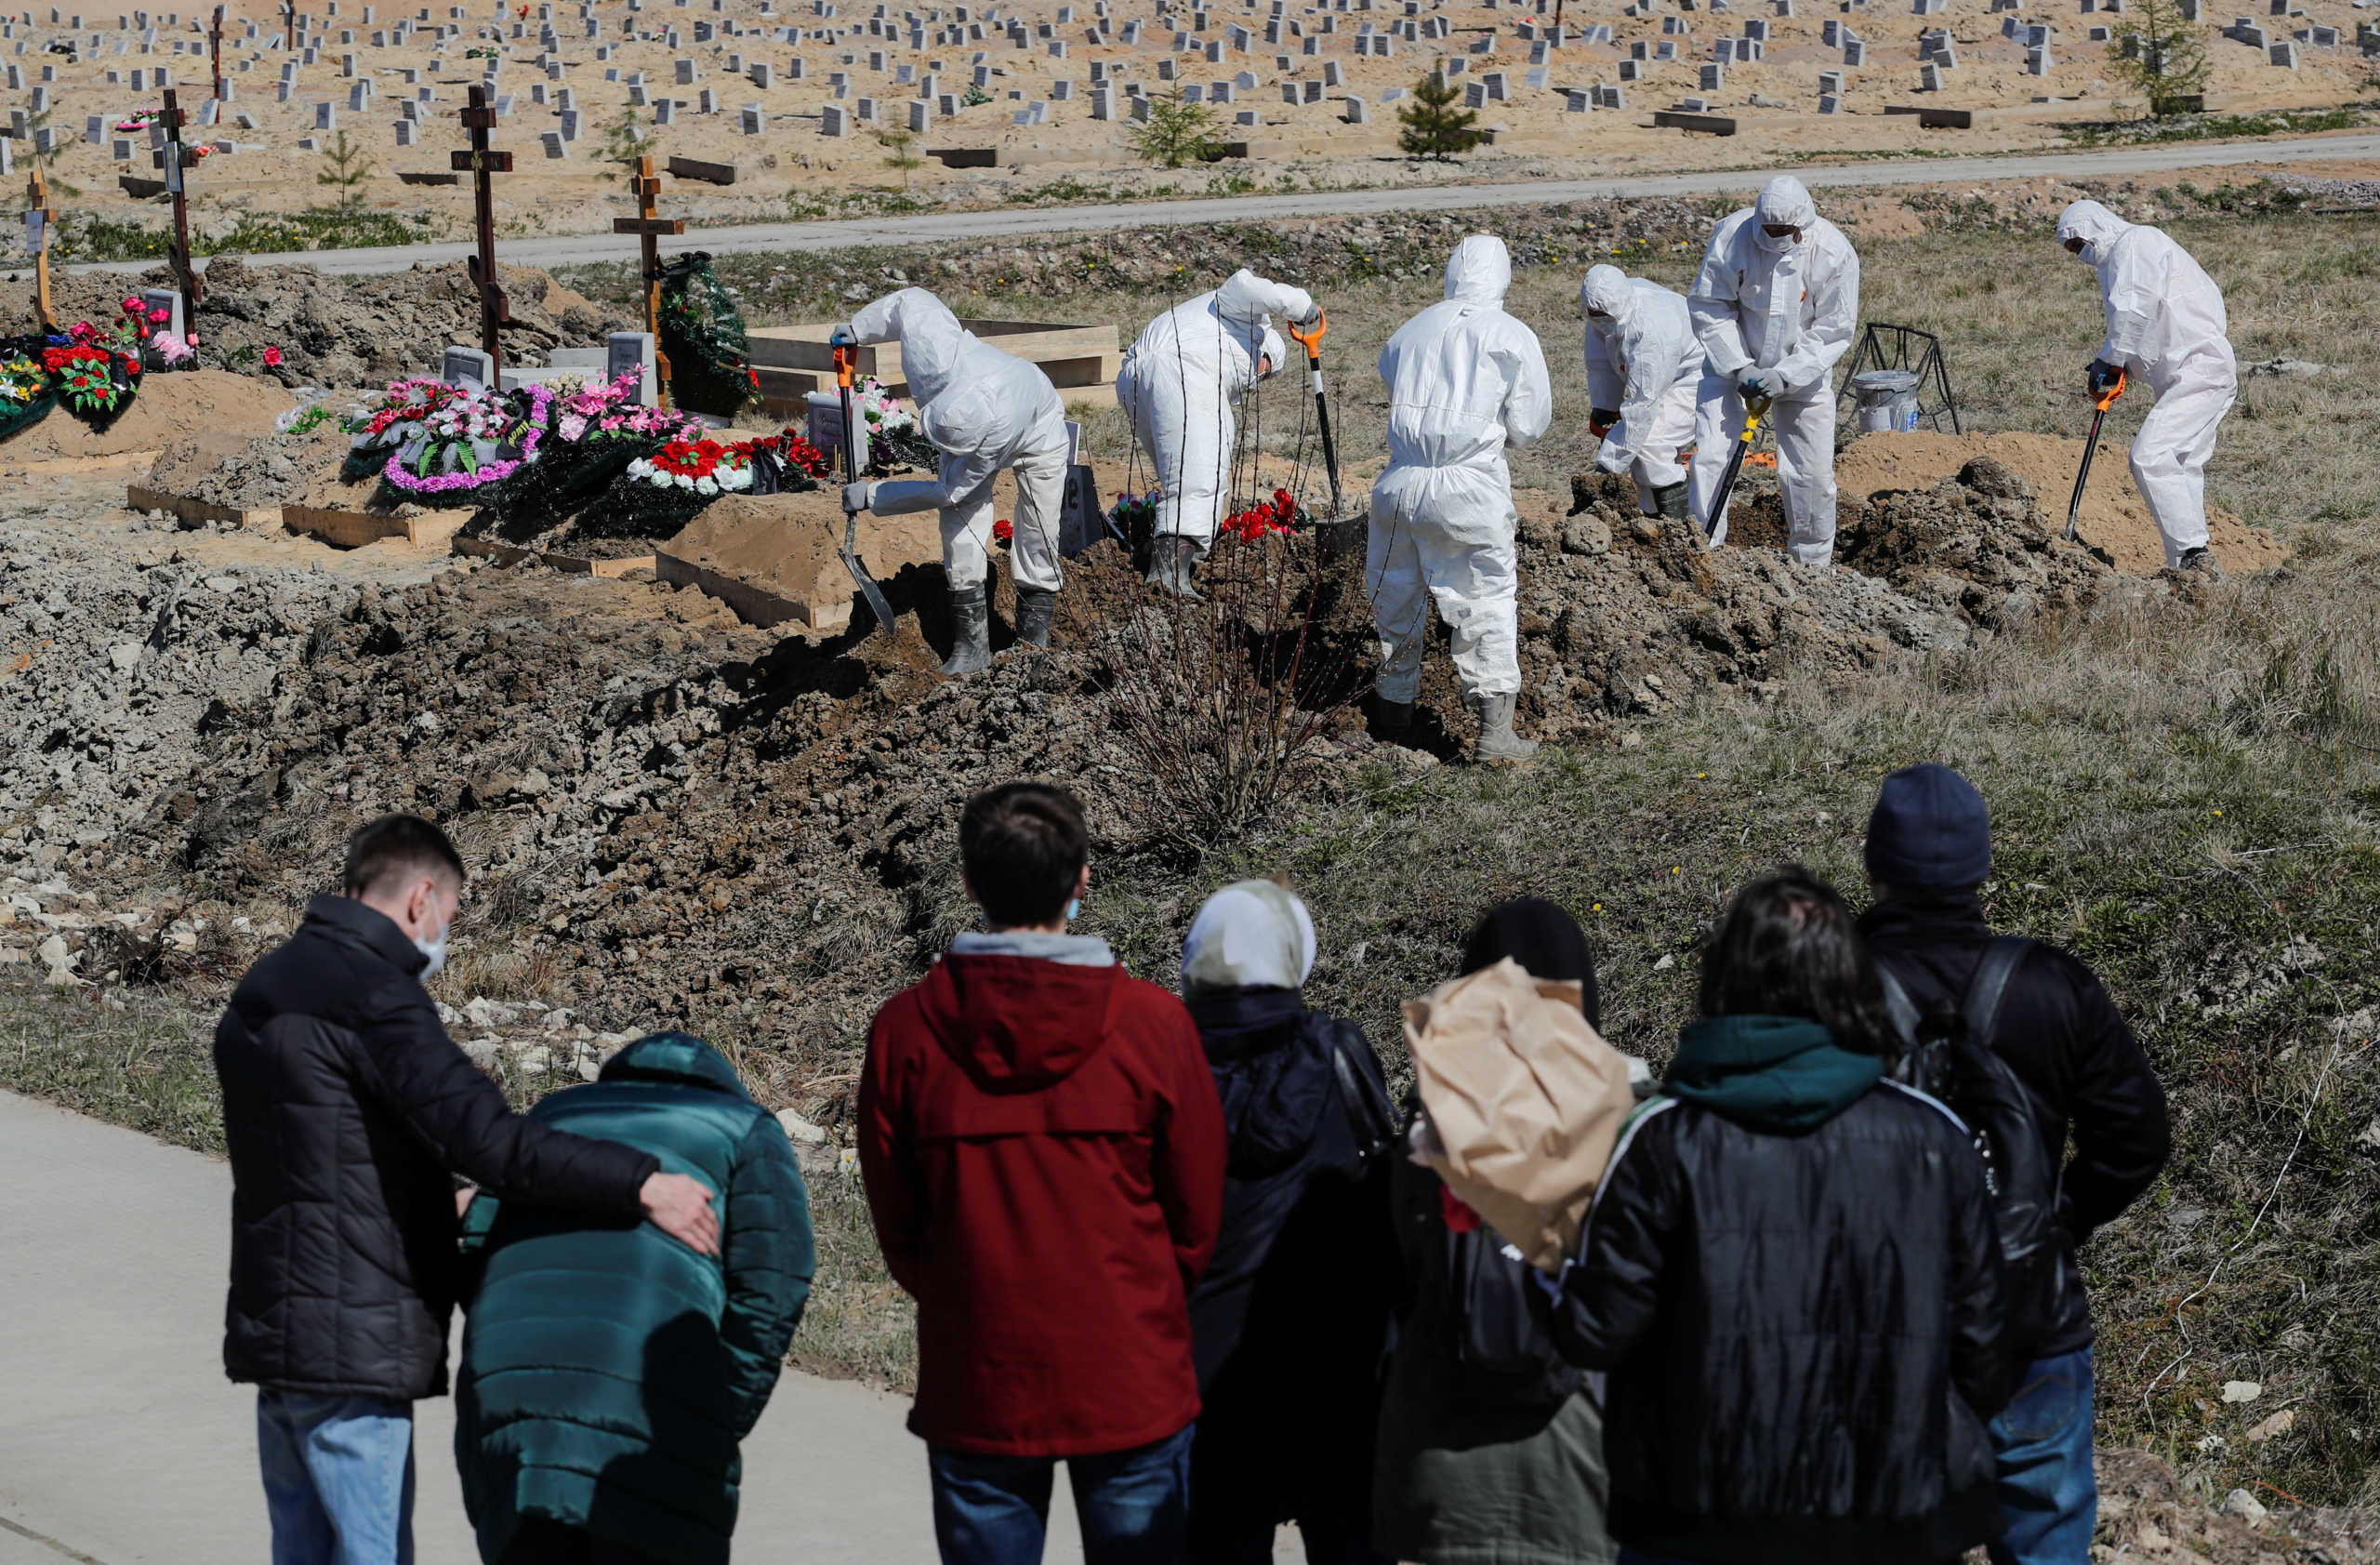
{"type": "Point", "coordinates": [435, 950]}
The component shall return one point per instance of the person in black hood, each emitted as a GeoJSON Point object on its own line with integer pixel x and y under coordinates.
{"type": "Point", "coordinates": [1491, 1441]}
{"type": "Point", "coordinates": [1792, 1275]}
{"type": "Point", "coordinates": [1930, 849]}
{"type": "Point", "coordinates": [1289, 1323]}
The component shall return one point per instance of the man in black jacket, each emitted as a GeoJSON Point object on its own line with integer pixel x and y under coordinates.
{"type": "Point", "coordinates": [1929, 848]}
{"type": "Point", "coordinates": [347, 1108]}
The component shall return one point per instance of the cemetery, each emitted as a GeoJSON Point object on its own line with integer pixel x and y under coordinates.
{"type": "Point", "coordinates": [755, 109]}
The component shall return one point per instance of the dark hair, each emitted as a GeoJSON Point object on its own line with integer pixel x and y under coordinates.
{"type": "Point", "coordinates": [398, 845]}
{"type": "Point", "coordinates": [1023, 844]}
{"type": "Point", "coordinates": [1788, 947]}
{"type": "Point", "coordinates": [1546, 941]}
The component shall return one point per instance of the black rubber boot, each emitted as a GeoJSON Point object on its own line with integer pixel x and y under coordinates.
{"type": "Point", "coordinates": [1035, 609]}
{"type": "Point", "coordinates": [2203, 560]}
{"type": "Point", "coordinates": [1391, 719]}
{"type": "Point", "coordinates": [971, 631]}
{"type": "Point", "coordinates": [1170, 561]}
{"type": "Point", "coordinates": [1669, 502]}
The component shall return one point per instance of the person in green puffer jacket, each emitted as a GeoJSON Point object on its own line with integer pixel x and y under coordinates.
{"type": "Point", "coordinates": [609, 1372]}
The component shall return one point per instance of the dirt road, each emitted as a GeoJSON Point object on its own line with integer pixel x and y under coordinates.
{"type": "Point", "coordinates": [1014, 223]}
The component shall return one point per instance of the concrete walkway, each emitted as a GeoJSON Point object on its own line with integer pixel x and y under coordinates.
{"type": "Point", "coordinates": [121, 1443]}
{"type": "Point", "coordinates": [1020, 222]}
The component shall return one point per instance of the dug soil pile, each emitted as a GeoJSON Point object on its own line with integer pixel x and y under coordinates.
{"type": "Point", "coordinates": [263, 471]}
{"type": "Point", "coordinates": [2114, 516]}
{"type": "Point", "coordinates": [168, 408]}
{"type": "Point", "coordinates": [338, 331]}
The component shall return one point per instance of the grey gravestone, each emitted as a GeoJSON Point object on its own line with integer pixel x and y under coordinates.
{"type": "Point", "coordinates": [167, 300]}
{"type": "Point", "coordinates": [466, 367]}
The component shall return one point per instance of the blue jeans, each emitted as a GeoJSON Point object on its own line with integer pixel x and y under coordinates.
{"type": "Point", "coordinates": [1133, 1505]}
{"type": "Point", "coordinates": [2046, 1482]}
{"type": "Point", "coordinates": [338, 1478]}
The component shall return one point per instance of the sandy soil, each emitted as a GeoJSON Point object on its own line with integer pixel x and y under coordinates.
{"type": "Point", "coordinates": [260, 161]}
{"type": "Point", "coordinates": [2114, 516]}
{"type": "Point", "coordinates": [166, 409]}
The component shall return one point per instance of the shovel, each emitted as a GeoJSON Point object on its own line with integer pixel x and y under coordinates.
{"type": "Point", "coordinates": [1755, 409]}
{"type": "Point", "coordinates": [1312, 343]}
{"type": "Point", "coordinates": [869, 589]}
{"type": "Point", "coordinates": [2090, 449]}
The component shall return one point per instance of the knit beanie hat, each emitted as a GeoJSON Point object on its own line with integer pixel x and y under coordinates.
{"type": "Point", "coordinates": [1930, 831]}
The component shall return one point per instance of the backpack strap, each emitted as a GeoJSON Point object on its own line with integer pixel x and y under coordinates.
{"type": "Point", "coordinates": [1989, 986]}
{"type": "Point", "coordinates": [1899, 1010]}
{"type": "Point", "coordinates": [1369, 1114]}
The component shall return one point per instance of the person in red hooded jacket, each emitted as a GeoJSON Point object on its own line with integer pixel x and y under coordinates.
{"type": "Point", "coordinates": [1043, 1151]}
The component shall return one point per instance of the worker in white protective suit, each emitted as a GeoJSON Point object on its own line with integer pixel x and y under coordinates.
{"type": "Point", "coordinates": [1465, 381]}
{"type": "Point", "coordinates": [1179, 385]}
{"type": "Point", "coordinates": [1643, 370]}
{"type": "Point", "coordinates": [984, 410]}
{"type": "Point", "coordinates": [1775, 305]}
{"type": "Point", "coordinates": [2166, 326]}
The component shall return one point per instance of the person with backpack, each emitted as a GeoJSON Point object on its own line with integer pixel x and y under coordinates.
{"type": "Point", "coordinates": [1289, 1323]}
{"type": "Point", "coordinates": [1491, 1443]}
{"type": "Point", "coordinates": [2023, 1041]}
{"type": "Point", "coordinates": [1790, 1272]}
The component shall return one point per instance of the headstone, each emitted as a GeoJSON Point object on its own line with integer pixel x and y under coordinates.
{"type": "Point", "coordinates": [466, 367]}
{"type": "Point", "coordinates": [326, 116]}
{"type": "Point", "coordinates": [404, 133]}
{"type": "Point", "coordinates": [830, 121]}
{"type": "Point", "coordinates": [1711, 78]}
{"type": "Point", "coordinates": [1357, 113]}
{"type": "Point", "coordinates": [169, 300]}
{"type": "Point", "coordinates": [2284, 54]}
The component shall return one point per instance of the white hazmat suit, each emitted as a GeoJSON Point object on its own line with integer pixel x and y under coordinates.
{"type": "Point", "coordinates": [1783, 310]}
{"type": "Point", "coordinates": [984, 410]}
{"type": "Point", "coordinates": [1644, 363]}
{"type": "Point", "coordinates": [1182, 377]}
{"type": "Point", "coordinates": [2166, 326]}
{"type": "Point", "coordinates": [1464, 380]}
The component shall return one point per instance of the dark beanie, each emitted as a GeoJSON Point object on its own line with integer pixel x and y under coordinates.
{"type": "Point", "coordinates": [1930, 831]}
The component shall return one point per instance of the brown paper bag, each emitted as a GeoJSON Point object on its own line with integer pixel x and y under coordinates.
{"type": "Point", "coordinates": [1525, 1099]}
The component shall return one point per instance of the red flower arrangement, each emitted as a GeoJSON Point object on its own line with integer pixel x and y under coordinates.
{"type": "Point", "coordinates": [1281, 514]}
{"type": "Point", "coordinates": [795, 452]}
{"type": "Point", "coordinates": [1003, 529]}
{"type": "Point", "coordinates": [706, 467]}
{"type": "Point", "coordinates": [86, 375]}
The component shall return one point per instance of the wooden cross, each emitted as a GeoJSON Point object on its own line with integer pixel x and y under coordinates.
{"type": "Point", "coordinates": [37, 205]}
{"type": "Point", "coordinates": [215, 40]}
{"type": "Point", "coordinates": [649, 227]}
{"type": "Point", "coordinates": [289, 24]}
{"type": "Point", "coordinates": [480, 162]}
{"type": "Point", "coordinates": [176, 158]}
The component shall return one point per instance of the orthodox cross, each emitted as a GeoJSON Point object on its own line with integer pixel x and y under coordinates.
{"type": "Point", "coordinates": [37, 216]}
{"type": "Point", "coordinates": [214, 49]}
{"type": "Point", "coordinates": [289, 24]}
{"type": "Point", "coordinates": [480, 162]}
{"type": "Point", "coordinates": [176, 158]}
{"type": "Point", "coordinates": [649, 226]}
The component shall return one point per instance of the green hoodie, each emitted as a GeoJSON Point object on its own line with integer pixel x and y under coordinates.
{"type": "Point", "coordinates": [1782, 1074]}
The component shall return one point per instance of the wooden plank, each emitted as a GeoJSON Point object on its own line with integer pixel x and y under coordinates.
{"type": "Point", "coordinates": [140, 189]}
{"type": "Point", "coordinates": [354, 529]}
{"type": "Point", "coordinates": [569, 564]}
{"type": "Point", "coordinates": [140, 496]}
{"type": "Point", "coordinates": [1945, 119]}
{"type": "Point", "coordinates": [965, 157]}
{"type": "Point", "coordinates": [648, 225]}
{"type": "Point", "coordinates": [1713, 125]}
{"type": "Point", "coordinates": [754, 604]}
{"type": "Point", "coordinates": [427, 177]}
{"type": "Point", "coordinates": [695, 168]}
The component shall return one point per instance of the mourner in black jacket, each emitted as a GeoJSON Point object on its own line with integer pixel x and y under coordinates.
{"type": "Point", "coordinates": [1930, 849]}
{"type": "Point", "coordinates": [1291, 1320]}
{"type": "Point", "coordinates": [346, 1106]}
{"type": "Point", "coordinates": [1791, 1273]}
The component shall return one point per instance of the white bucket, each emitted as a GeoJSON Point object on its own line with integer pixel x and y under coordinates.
{"type": "Point", "coordinates": [1886, 399]}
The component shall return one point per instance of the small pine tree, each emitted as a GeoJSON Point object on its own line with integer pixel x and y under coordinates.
{"type": "Point", "coordinates": [1434, 126]}
{"type": "Point", "coordinates": [1175, 133]}
{"type": "Point", "coordinates": [624, 139]}
{"type": "Point", "coordinates": [349, 169]}
{"type": "Point", "coordinates": [2158, 55]}
{"type": "Point", "coordinates": [899, 143]}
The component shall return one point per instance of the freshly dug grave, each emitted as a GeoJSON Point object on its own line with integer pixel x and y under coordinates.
{"type": "Point", "coordinates": [338, 331]}
{"type": "Point", "coordinates": [2114, 516]}
{"type": "Point", "coordinates": [167, 408]}
{"type": "Point", "coordinates": [262, 471]}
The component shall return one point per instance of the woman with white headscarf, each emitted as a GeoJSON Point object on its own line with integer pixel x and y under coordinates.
{"type": "Point", "coordinates": [1291, 1319]}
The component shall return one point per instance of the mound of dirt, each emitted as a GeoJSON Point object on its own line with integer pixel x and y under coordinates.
{"type": "Point", "coordinates": [340, 331]}
{"type": "Point", "coordinates": [1976, 545]}
{"type": "Point", "coordinates": [2114, 516]}
{"type": "Point", "coordinates": [265, 470]}
{"type": "Point", "coordinates": [167, 409]}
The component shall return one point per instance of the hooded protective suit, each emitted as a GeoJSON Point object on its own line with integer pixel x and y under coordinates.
{"type": "Point", "coordinates": [1181, 381]}
{"type": "Point", "coordinates": [2166, 326]}
{"type": "Point", "coordinates": [1464, 380]}
{"type": "Point", "coordinates": [1644, 362]}
{"type": "Point", "coordinates": [1787, 307]}
{"type": "Point", "coordinates": [984, 410]}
